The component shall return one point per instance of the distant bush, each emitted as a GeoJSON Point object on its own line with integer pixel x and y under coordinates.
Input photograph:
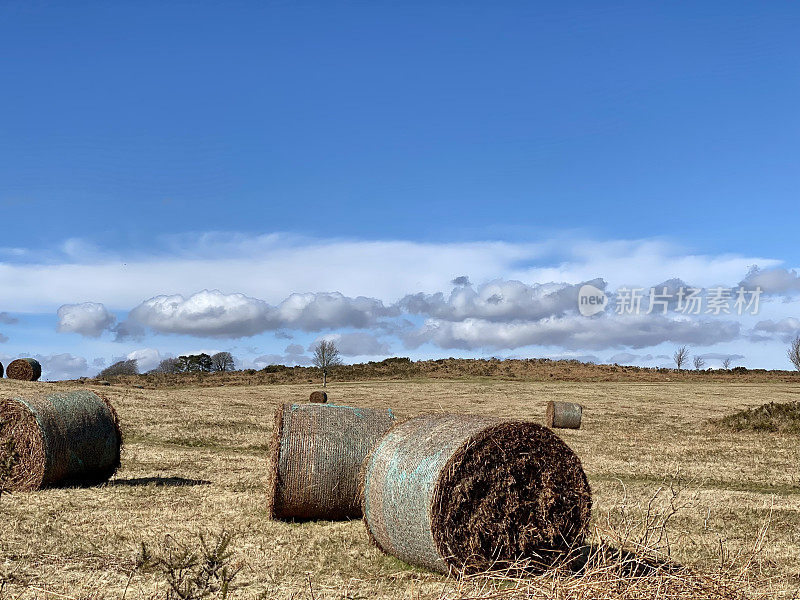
{"type": "Point", "coordinates": [772, 417]}
{"type": "Point", "coordinates": [122, 367]}
{"type": "Point", "coordinates": [275, 369]}
{"type": "Point", "coordinates": [395, 360]}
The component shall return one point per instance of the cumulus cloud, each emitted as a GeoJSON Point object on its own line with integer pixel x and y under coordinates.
{"type": "Point", "coordinates": [211, 313]}
{"type": "Point", "coordinates": [785, 330]}
{"type": "Point", "coordinates": [7, 319]}
{"type": "Point", "coordinates": [206, 314]}
{"type": "Point", "coordinates": [499, 300]}
{"type": "Point", "coordinates": [573, 333]}
{"type": "Point", "coordinates": [775, 281]}
{"type": "Point", "coordinates": [314, 312]}
{"type": "Point", "coordinates": [62, 366]}
{"type": "Point", "coordinates": [357, 344]}
{"type": "Point", "coordinates": [89, 319]}
{"type": "Point", "coordinates": [146, 359]}
{"type": "Point", "coordinates": [292, 355]}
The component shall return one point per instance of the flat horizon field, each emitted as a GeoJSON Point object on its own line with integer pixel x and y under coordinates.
{"type": "Point", "coordinates": [195, 461]}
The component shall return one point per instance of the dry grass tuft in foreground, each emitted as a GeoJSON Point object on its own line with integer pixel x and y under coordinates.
{"type": "Point", "coordinates": [772, 417]}
{"type": "Point", "coordinates": [631, 559]}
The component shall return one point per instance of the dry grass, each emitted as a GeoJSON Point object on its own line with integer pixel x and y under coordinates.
{"type": "Point", "coordinates": [195, 462]}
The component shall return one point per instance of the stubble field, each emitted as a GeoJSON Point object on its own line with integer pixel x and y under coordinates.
{"type": "Point", "coordinates": [195, 461]}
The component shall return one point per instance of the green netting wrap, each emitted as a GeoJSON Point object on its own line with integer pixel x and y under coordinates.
{"type": "Point", "coordinates": [62, 438]}
{"type": "Point", "coordinates": [317, 452]}
{"type": "Point", "coordinates": [459, 493]}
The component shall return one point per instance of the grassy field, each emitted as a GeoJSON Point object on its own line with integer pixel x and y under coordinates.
{"type": "Point", "coordinates": [195, 461]}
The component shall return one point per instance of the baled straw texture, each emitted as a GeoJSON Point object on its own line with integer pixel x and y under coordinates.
{"type": "Point", "coordinates": [318, 397]}
{"type": "Point", "coordinates": [63, 438]}
{"type": "Point", "coordinates": [564, 415]}
{"type": "Point", "coordinates": [460, 493]}
{"type": "Point", "coordinates": [317, 452]}
{"type": "Point", "coordinates": [24, 369]}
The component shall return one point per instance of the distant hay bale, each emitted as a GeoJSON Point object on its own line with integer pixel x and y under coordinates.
{"type": "Point", "coordinates": [564, 415]}
{"type": "Point", "coordinates": [318, 398]}
{"type": "Point", "coordinates": [62, 438]}
{"type": "Point", "coordinates": [24, 369]}
{"type": "Point", "coordinates": [459, 493]}
{"type": "Point", "coordinates": [317, 451]}
{"type": "Point", "coordinates": [1, 370]}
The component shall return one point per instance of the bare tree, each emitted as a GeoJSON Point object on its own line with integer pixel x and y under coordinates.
{"type": "Point", "coordinates": [326, 355]}
{"type": "Point", "coordinates": [681, 356]}
{"type": "Point", "coordinates": [699, 362]}
{"type": "Point", "coordinates": [726, 363]}
{"type": "Point", "coordinates": [794, 352]}
{"type": "Point", "coordinates": [222, 361]}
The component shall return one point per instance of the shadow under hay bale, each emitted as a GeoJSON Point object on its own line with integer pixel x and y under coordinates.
{"type": "Point", "coordinates": [463, 494]}
{"type": "Point", "coordinates": [563, 415]}
{"type": "Point", "coordinates": [64, 438]}
{"type": "Point", "coordinates": [318, 398]}
{"type": "Point", "coordinates": [317, 451]}
{"type": "Point", "coordinates": [24, 369]}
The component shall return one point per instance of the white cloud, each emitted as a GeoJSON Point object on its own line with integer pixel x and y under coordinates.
{"type": "Point", "coordinates": [773, 281]}
{"type": "Point", "coordinates": [146, 359]}
{"type": "Point", "coordinates": [7, 319]}
{"type": "Point", "coordinates": [211, 313]}
{"type": "Point", "coordinates": [3, 338]}
{"type": "Point", "coordinates": [498, 300]}
{"type": "Point", "coordinates": [358, 343]}
{"type": "Point", "coordinates": [272, 267]}
{"type": "Point", "coordinates": [292, 355]}
{"type": "Point", "coordinates": [206, 313]}
{"type": "Point", "coordinates": [574, 333]}
{"type": "Point", "coordinates": [62, 366]}
{"type": "Point", "coordinates": [784, 329]}
{"type": "Point", "coordinates": [89, 319]}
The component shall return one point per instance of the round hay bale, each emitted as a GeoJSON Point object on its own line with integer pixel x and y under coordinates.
{"type": "Point", "coordinates": [564, 415]}
{"type": "Point", "coordinates": [459, 493]}
{"type": "Point", "coordinates": [24, 369]}
{"type": "Point", "coordinates": [317, 451]}
{"type": "Point", "coordinates": [1, 370]}
{"type": "Point", "coordinates": [318, 398]}
{"type": "Point", "coordinates": [63, 438]}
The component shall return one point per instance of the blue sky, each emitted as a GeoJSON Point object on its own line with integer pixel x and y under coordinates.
{"type": "Point", "coordinates": [381, 150]}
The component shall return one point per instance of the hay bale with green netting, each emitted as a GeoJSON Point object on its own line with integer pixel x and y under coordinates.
{"type": "Point", "coordinates": [24, 369]}
{"type": "Point", "coordinates": [317, 451]}
{"type": "Point", "coordinates": [318, 397]}
{"type": "Point", "coordinates": [460, 493]}
{"type": "Point", "coordinates": [563, 415]}
{"type": "Point", "coordinates": [62, 438]}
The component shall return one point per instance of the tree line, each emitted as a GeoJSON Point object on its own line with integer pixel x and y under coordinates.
{"type": "Point", "coordinates": [190, 363]}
